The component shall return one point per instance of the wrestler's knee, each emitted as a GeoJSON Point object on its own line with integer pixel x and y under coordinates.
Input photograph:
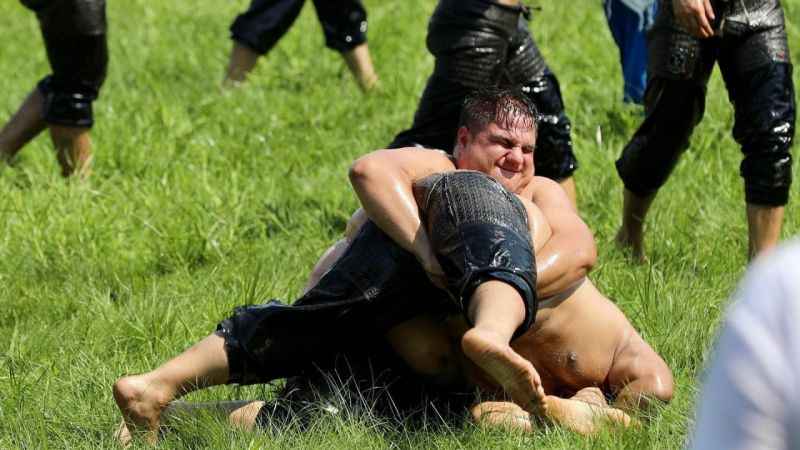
{"type": "Point", "coordinates": [765, 124]}
{"type": "Point", "coordinates": [768, 177]}
{"type": "Point", "coordinates": [344, 23]}
{"type": "Point", "coordinates": [673, 108]}
{"type": "Point", "coordinates": [69, 105]}
{"type": "Point", "coordinates": [479, 232]}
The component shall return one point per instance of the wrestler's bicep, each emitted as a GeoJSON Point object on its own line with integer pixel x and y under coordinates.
{"type": "Point", "coordinates": [539, 228]}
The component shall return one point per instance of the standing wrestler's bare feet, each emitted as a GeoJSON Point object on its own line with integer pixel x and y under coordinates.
{"type": "Point", "coordinates": [631, 232]}
{"type": "Point", "coordinates": [512, 372]}
{"type": "Point", "coordinates": [141, 401]}
{"type": "Point", "coordinates": [633, 241]}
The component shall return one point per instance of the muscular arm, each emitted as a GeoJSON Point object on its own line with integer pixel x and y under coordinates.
{"type": "Point", "coordinates": [570, 253]}
{"type": "Point", "coordinates": [383, 181]}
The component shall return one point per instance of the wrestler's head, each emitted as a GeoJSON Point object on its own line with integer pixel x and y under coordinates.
{"type": "Point", "coordinates": [497, 135]}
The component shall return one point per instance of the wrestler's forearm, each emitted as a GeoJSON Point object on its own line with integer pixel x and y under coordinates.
{"type": "Point", "coordinates": [383, 181]}
{"type": "Point", "coordinates": [570, 253]}
{"type": "Point", "coordinates": [386, 195]}
{"type": "Point", "coordinates": [562, 263]}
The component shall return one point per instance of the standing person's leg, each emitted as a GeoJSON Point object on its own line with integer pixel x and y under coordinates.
{"type": "Point", "coordinates": [628, 27]}
{"type": "Point", "coordinates": [553, 157]}
{"type": "Point", "coordinates": [344, 23]}
{"type": "Point", "coordinates": [759, 82]}
{"type": "Point", "coordinates": [255, 32]}
{"type": "Point", "coordinates": [75, 36]}
{"type": "Point", "coordinates": [679, 68]}
{"type": "Point", "coordinates": [23, 126]}
{"type": "Point", "coordinates": [74, 33]}
{"type": "Point", "coordinates": [459, 68]}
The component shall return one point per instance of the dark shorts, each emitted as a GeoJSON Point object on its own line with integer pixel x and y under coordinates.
{"type": "Point", "coordinates": [755, 65]}
{"type": "Point", "coordinates": [480, 43]}
{"type": "Point", "coordinates": [376, 285]}
{"type": "Point", "coordinates": [344, 23]}
{"type": "Point", "coordinates": [74, 33]}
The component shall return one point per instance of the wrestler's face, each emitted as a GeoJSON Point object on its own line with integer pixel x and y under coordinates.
{"type": "Point", "coordinates": [504, 154]}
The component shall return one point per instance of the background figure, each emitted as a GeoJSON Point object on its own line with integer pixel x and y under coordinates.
{"type": "Point", "coordinates": [629, 21]}
{"type": "Point", "coordinates": [748, 40]}
{"type": "Point", "coordinates": [750, 398]}
{"type": "Point", "coordinates": [344, 23]}
{"type": "Point", "coordinates": [480, 43]}
{"type": "Point", "coordinates": [74, 33]}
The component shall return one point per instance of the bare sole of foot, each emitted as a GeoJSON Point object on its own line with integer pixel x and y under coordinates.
{"type": "Point", "coordinates": [635, 247]}
{"type": "Point", "coordinates": [511, 371]}
{"type": "Point", "coordinates": [141, 403]}
{"type": "Point", "coordinates": [581, 417]}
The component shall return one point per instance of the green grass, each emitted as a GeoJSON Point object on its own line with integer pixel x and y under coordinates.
{"type": "Point", "coordinates": [203, 200]}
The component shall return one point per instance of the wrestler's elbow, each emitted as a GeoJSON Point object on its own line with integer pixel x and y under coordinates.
{"type": "Point", "coordinates": [363, 170]}
{"type": "Point", "coordinates": [649, 392]}
{"type": "Point", "coordinates": [587, 258]}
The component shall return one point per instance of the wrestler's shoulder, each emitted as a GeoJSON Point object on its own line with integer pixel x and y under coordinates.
{"type": "Point", "coordinates": [433, 156]}
{"type": "Point", "coordinates": [540, 186]}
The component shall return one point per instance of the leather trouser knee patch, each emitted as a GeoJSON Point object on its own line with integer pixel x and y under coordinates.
{"type": "Point", "coordinates": [79, 69]}
{"type": "Point", "coordinates": [673, 108]}
{"type": "Point", "coordinates": [74, 34]}
{"type": "Point", "coordinates": [479, 232]}
{"type": "Point", "coordinates": [344, 23]}
{"type": "Point", "coordinates": [765, 123]}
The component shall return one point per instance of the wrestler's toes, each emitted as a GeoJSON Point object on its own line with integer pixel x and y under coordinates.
{"type": "Point", "coordinates": [140, 401]}
{"type": "Point", "coordinates": [511, 371]}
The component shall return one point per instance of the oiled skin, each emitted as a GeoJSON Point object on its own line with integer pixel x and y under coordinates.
{"type": "Point", "coordinates": [579, 341]}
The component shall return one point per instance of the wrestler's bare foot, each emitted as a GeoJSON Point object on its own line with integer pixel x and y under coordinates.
{"type": "Point", "coordinates": [582, 417]}
{"type": "Point", "coordinates": [141, 401]}
{"type": "Point", "coordinates": [511, 371]}
{"type": "Point", "coordinates": [631, 241]}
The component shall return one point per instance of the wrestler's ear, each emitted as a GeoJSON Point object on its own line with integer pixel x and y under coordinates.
{"type": "Point", "coordinates": [463, 137]}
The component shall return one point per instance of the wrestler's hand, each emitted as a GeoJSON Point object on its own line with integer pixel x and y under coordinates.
{"type": "Point", "coordinates": [694, 16]}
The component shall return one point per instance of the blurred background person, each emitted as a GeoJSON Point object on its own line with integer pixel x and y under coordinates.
{"type": "Point", "coordinates": [751, 395]}
{"type": "Point", "coordinates": [344, 24]}
{"type": "Point", "coordinates": [74, 33]}
{"type": "Point", "coordinates": [628, 21]}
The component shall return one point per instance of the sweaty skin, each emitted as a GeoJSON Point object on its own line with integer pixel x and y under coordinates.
{"type": "Point", "coordinates": [383, 181]}
{"type": "Point", "coordinates": [581, 344]}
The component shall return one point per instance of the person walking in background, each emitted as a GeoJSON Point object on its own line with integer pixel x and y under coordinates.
{"type": "Point", "coordinates": [480, 43]}
{"type": "Point", "coordinates": [750, 398]}
{"type": "Point", "coordinates": [628, 21]}
{"type": "Point", "coordinates": [74, 33]}
{"type": "Point", "coordinates": [257, 30]}
{"type": "Point", "coordinates": [748, 39]}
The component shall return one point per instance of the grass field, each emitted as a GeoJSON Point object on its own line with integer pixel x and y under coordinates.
{"type": "Point", "coordinates": [203, 200]}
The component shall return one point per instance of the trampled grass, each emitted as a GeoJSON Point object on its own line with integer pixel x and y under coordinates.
{"type": "Point", "coordinates": [203, 200]}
